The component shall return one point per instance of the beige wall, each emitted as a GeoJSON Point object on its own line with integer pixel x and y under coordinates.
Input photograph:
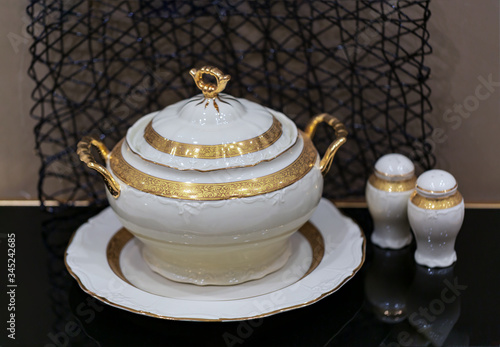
{"type": "Point", "coordinates": [465, 38]}
{"type": "Point", "coordinates": [18, 164]}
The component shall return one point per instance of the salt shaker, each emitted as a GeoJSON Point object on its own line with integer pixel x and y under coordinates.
{"type": "Point", "coordinates": [387, 192]}
{"type": "Point", "coordinates": [436, 212]}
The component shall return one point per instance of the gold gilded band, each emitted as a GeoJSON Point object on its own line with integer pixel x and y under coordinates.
{"type": "Point", "coordinates": [227, 150]}
{"type": "Point", "coordinates": [213, 191]}
{"type": "Point", "coordinates": [438, 191]}
{"type": "Point", "coordinates": [123, 236]}
{"type": "Point", "coordinates": [436, 204]}
{"type": "Point", "coordinates": [340, 137]}
{"type": "Point", "coordinates": [317, 244]}
{"type": "Point", "coordinates": [83, 151]}
{"type": "Point", "coordinates": [392, 186]}
{"type": "Point", "coordinates": [150, 314]}
{"type": "Point", "coordinates": [411, 173]}
{"type": "Point", "coordinates": [222, 168]}
{"type": "Point", "coordinates": [114, 249]}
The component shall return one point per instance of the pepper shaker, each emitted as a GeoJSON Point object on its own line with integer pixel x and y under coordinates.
{"type": "Point", "coordinates": [436, 212]}
{"type": "Point", "coordinates": [387, 192]}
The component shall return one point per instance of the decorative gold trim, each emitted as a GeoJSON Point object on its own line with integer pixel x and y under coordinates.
{"type": "Point", "coordinates": [123, 236]}
{"type": "Point", "coordinates": [213, 191]}
{"type": "Point", "coordinates": [411, 173]}
{"type": "Point", "coordinates": [340, 134]}
{"type": "Point", "coordinates": [317, 243]}
{"type": "Point", "coordinates": [210, 90]}
{"type": "Point", "coordinates": [476, 205]}
{"type": "Point", "coordinates": [227, 150]}
{"type": "Point", "coordinates": [145, 313]}
{"type": "Point", "coordinates": [438, 191]}
{"type": "Point", "coordinates": [392, 186]}
{"type": "Point", "coordinates": [114, 249]}
{"type": "Point", "coordinates": [83, 151]}
{"type": "Point", "coordinates": [437, 203]}
{"type": "Point", "coordinates": [222, 168]}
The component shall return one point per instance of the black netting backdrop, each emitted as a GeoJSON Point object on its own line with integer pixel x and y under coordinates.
{"type": "Point", "coordinates": [100, 65]}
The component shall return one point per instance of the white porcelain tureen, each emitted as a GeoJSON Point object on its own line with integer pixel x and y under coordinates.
{"type": "Point", "coordinates": [214, 186]}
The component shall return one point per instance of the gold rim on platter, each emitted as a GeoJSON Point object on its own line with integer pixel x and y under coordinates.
{"type": "Point", "coordinates": [146, 313]}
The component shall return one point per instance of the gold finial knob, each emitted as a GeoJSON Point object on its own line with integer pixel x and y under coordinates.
{"type": "Point", "coordinates": [210, 90]}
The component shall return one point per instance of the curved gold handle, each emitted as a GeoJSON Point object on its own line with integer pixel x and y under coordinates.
{"type": "Point", "coordinates": [83, 151]}
{"type": "Point", "coordinates": [340, 134]}
{"type": "Point", "coordinates": [210, 90]}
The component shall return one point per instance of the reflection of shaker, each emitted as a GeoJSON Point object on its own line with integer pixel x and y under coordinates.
{"type": "Point", "coordinates": [387, 193]}
{"type": "Point", "coordinates": [387, 283]}
{"type": "Point", "coordinates": [436, 212]}
{"type": "Point", "coordinates": [434, 304]}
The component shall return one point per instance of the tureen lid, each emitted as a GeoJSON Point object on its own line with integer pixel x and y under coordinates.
{"type": "Point", "coordinates": [212, 130]}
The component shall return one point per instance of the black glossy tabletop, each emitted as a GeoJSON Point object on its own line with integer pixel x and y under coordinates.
{"type": "Point", "coordinates": [390, 302]}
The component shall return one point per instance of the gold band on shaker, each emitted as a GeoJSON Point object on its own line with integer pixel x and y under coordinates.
{"type": "Point", "coordinates": [392, 186]}
{"type": "Point", "coordinates": [436, 203]}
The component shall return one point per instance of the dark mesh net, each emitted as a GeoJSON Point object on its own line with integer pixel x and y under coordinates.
{"type": "Point", "coordinates": [100, 65]}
